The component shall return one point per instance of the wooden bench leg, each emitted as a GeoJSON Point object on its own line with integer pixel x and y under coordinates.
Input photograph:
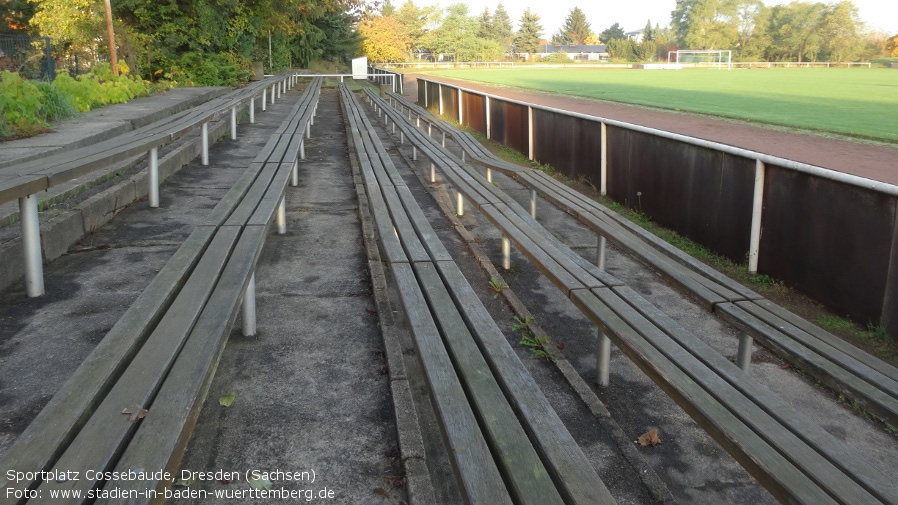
{"type": "Point", "coordinates": [282, 216]}
{"type": "Point", "coordinates": [603, 360]}
{"type": "Point", "coordinates": [31, 245]}
{"type": "Point", "coordinates": [506, 253]}
{"type": "Point", "coordinates": [600, 252]}
{"type": "Point", "coordinates": [153, 190]}
{"type": "Point", "coordinates": [205, 142]}
{"type": "Point", "coordinates": [252, 110]}
{"type": "Point", "coordinates": [533, 203]}
{"type": "Point", "coordinates": [233, 123]}
{"type": "Point", "coordinates": [249, 307]}
{"type": "Point", "coordinates": [743, 357]}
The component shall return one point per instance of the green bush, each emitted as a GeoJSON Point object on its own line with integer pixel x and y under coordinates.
{"type": "Point", "coordinates": [100, 87]}
{"type": "Point", "coordinates": [20, 105]}
{"type": "Point", "coordinates": [198, 69]}
{"type": "Point", "coordinates": [558, 57]}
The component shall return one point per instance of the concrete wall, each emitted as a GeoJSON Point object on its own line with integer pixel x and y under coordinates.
{"type": "Point", "coordinates": [833, 240]}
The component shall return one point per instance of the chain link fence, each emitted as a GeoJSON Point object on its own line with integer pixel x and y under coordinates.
{"type": "Point", "coordinates": [30, 56]}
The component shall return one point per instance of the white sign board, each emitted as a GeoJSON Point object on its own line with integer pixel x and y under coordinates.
{"type": "Point", "coordinates": [359, 67]}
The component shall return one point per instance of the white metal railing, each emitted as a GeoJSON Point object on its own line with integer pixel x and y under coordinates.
{"type": "Point", "coordinates": [761, 159]}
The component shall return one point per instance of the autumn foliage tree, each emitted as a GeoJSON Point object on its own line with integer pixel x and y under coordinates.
{"type": "Point", "coordinates": [384, 40]}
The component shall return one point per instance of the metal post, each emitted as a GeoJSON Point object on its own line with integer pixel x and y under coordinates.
{"type": "Point", "coordinates": [252, 110]}
{"type": "Point", "coordinates": [272, 94]}
{"type": "Point", "coordinates": [460, 203]}
{"type": "Point", "coordinates": [463, 155]}
{"type": "Point", "coordinates": [604, 163]}
{"type": "Point", "coordinates": [249, 307]}
{"type": "Point", "coordinates": [294, 174]}
{"type": "Point", "coordinates": [489, 175]}
{"type": "Point", "coordinates": [429, 128]}
{"type": "Point", "coordinates": [414, 153]}
{"type": "Point", "coordinates": [153, 190]}
{"type": "Point", "coordinates": [402, 137]}
{"type": "Point", "coordinates": [418, 121]}
{"type": "Point", "coordinates": [533, 203]}
{"type": "Point", "coordinates": [440, 87]}
{"type": "Point", "coordinates": [506, 253]}
{"type": "Point", "coordinates": [743, 357]}
{"type": "Point", "coordinates": [530, 133]}
{"type": "Point", "coordinates": [282, 216]}
{"type": "Point", "coordinates": [433, 173]}
{"type": "Point", "coordinates": [603, 359]}
{"type": "Point", "coordinates": [756, 213]}
{"type": "Point", "coordinates": [31, 245]}
{"type": "Point", "coordinates": [444, 139]}
{"type": "Point", "coordinates": [264, 99]}
{"type": "Point", "coordinates": [308, 131]}
{"type": "Point", "coordinates": [233, 123]}
{"type": "Point", "coordinates": [600, 253]}
{"type": "Point", "coordinates": [205, 142]}
{"type": "Point", "coordinates": [302, 150]}
{"type": "Point", "coordinates": [489, 126]}
{"type": "Point", "coordinates": [394, 128]}
{"type": "Point", "coordinates": [460, 115]}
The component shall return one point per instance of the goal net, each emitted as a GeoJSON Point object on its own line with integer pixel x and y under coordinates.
{"type": "Point", "coordinates": [708, 58]}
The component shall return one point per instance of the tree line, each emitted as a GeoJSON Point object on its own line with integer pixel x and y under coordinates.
{"type": "Point", "coordinates": [798, 31]}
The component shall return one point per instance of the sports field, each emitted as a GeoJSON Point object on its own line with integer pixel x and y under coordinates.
{"type": "Point", "coordinates": [855, 102]}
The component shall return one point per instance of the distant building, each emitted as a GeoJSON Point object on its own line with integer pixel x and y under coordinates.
{"type": "Point", "coordinates": [579, 53]}
{"type": "Point", "coordinates": [635, 36]}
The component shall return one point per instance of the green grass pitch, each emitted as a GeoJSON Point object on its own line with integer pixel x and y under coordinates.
{"type": "Point", "coordinates": [857, 102]}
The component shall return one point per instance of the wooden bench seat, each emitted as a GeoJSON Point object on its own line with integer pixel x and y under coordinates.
{"type": "Point", "coordinates": [507, 443]}
{"type": "Point", "coordinates": [162, 353]}
{"type": "Point", "coordinates": [810, 348]}
{"type": "Point", "coordinates": [789, 454]}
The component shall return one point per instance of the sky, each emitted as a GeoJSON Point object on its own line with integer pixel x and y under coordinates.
{"type": "Point", "coordinates": [632, 15]}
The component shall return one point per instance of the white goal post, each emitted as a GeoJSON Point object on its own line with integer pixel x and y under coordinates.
{"type": "Point", "coordinates": [702, 58]}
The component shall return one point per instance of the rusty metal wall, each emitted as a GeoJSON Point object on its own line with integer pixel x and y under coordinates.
{"type": "Point", "coordinates": [828, 239]}
{"type": "Point", "coordinates": [450, 103]}
{"type": "Point", "coordinates": [700, 193]}
{"type": "Point", "coordinates": [474, 112]}
{"type": "Point", "coordinates": [508, 124]}
{"type": "Point", "coordinates": [569, 144]}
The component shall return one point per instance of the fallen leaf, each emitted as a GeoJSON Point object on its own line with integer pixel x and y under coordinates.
{"type": "Point", "coordinates": [226, 401]}
{"type": "Point", "coordinates": [560, 345]}
{"type": "Point", "coordinates": [260, 483]}
{"type": "Point", "coordinates": [785, 366]}
{"type": "Point", "coordinates": [381, 491]}
{"type": "Point", "coordinates": [135, 413]}
{"type": "Point", "coordinates": [650, 438]}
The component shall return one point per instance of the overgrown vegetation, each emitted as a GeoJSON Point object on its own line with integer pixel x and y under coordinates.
{"type": "Point", "coordinates": [28, 108]}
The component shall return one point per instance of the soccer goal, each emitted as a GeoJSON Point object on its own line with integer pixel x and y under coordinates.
{"type": "Point", "coordinates": [719, 58]}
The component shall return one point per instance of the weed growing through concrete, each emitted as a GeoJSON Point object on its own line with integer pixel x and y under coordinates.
{"type": "Point", "coordinates": [497, 286]}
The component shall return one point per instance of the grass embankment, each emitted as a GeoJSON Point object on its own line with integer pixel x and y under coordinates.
{"type": "Point", "coordinates": [857, 102]}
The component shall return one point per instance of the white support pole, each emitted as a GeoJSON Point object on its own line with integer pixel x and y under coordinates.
{"type": "Point", "coordinates": [153, 179]}
{"type": "Point", "coordinates": [603, 359]}
{"type": "Point", "coordinates": [429, 128]}
{"type": "Point", "coordinates": [418, 121]}
{"type": "Point", "coordinates": [249, 307]}
{"type": "Point", "coordinates": [426, 98]}
{"type": "Point", "coordinates": [394, 128]}
{"type": "Point", "coordinates": [600, 252]}
{"type": "Point", "coordinates": [489, 126]}
{"type": "Point", "coordinates": [278, 87]}
{"type": "Point", "coordinates": [234, 123]}
{"type": "Point", "coordinates": [743, 356]}
{"type": "Point", "coordinates": [460, 114]}
{"type": "Point", "coordinates": [402, 137]}
{"type": "Point", "coordinates": [533, 203]}
{"type": "Point", "coordinates": [756, 214]}
{"type": "Point", "coordinates": [282, 216]}
{"type": "Point", "coordinates": [530, 133]}
{"type": "Point", "coordinates": [294, 174]}
{"type": "Point", "coordinates": [264, 99]}
{"type": "Point", "coordinates": [252, 110]}
{"type": "Point", "coordinates": [308, 131]}
{"type": "Point", "coordinates": [489, 175]}
{"type": "Point", "coordinates": [414, 153]}
{"type": "Point", "coordinates": [205, 144]}
{"type": "Point", "coordinates": [444, 138]}
{"type": "Point", "coordinates": [506, 253]}
{"type": "Point", "coordinates": [440, 86]}
{"type": "Point", "coordinates": [433, 173]}
{"type": "Point", "coordinates": [29, 221]}
{"type": "Point", "coordinates": [460, 203]}
{"type": "Point", "coordinates": [302, 150]}
{"type": "Point", "coordinates": [604, 163]}
{"type": "Point", "coordinates": [272, 94]}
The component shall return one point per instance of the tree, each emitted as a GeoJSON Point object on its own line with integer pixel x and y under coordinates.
{"type": "Point", "coordinates": [796, 33]}
{"type": "Point", "coordinates": [502, 28]}
{"type": "Point", "coordinates": [485, 29]}
{"type": "Point", "coordinates": [575, 29]}
{"type": "Point", "coordinates": [648, 33]}
{"type": "Point", "coordinates": [892, 46]}
{"type": "Point", "coordinates": [15, 15]}
{"type": "Point", "coordinates": [384, 41]}
{"type": "Point", "coordinates": [612, 32]}
{"type": "Point", "coordinates": [705, 24]}
{"type": "Point", "coordinates": [416, 21]}
{"type": "Point", "coordinates": [841, 28]}
{"type": "Point", "coordinates": [529, 34]}
{"type": "Point", "coordinates": [455, 33]}
{"type": "Point", "coordinates": [388, 9]}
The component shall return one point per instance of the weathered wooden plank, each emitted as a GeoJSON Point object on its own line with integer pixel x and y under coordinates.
{"type": "Point", "coordinates": [571, 472]}
{"type": "Point", "coordinates": [389, 240]}
{"type": "Point", "coordinates": [472, 460]}
{"type": "Point", "coordinates": [247, 206]}
{"type": "Point", "coordinates": [269, 203]}
{"type": "Point", "coordinates": [104, 435]}
{"type": "Point", "coordinates": [765, 463]}
{"type": "Point", "coordinates": [22, 186]}
{"type": "Point", "coordinates": [162, 437]}
{"type": "Point", "coordinates": [48, 435]}
{"type": "Point", "coordinates": [428, 236]}
{"type": "Point", "coordinates": [414, 249]}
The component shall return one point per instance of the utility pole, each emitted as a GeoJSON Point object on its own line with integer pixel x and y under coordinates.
{"type": "Point", "coordinates": [111, 36]}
